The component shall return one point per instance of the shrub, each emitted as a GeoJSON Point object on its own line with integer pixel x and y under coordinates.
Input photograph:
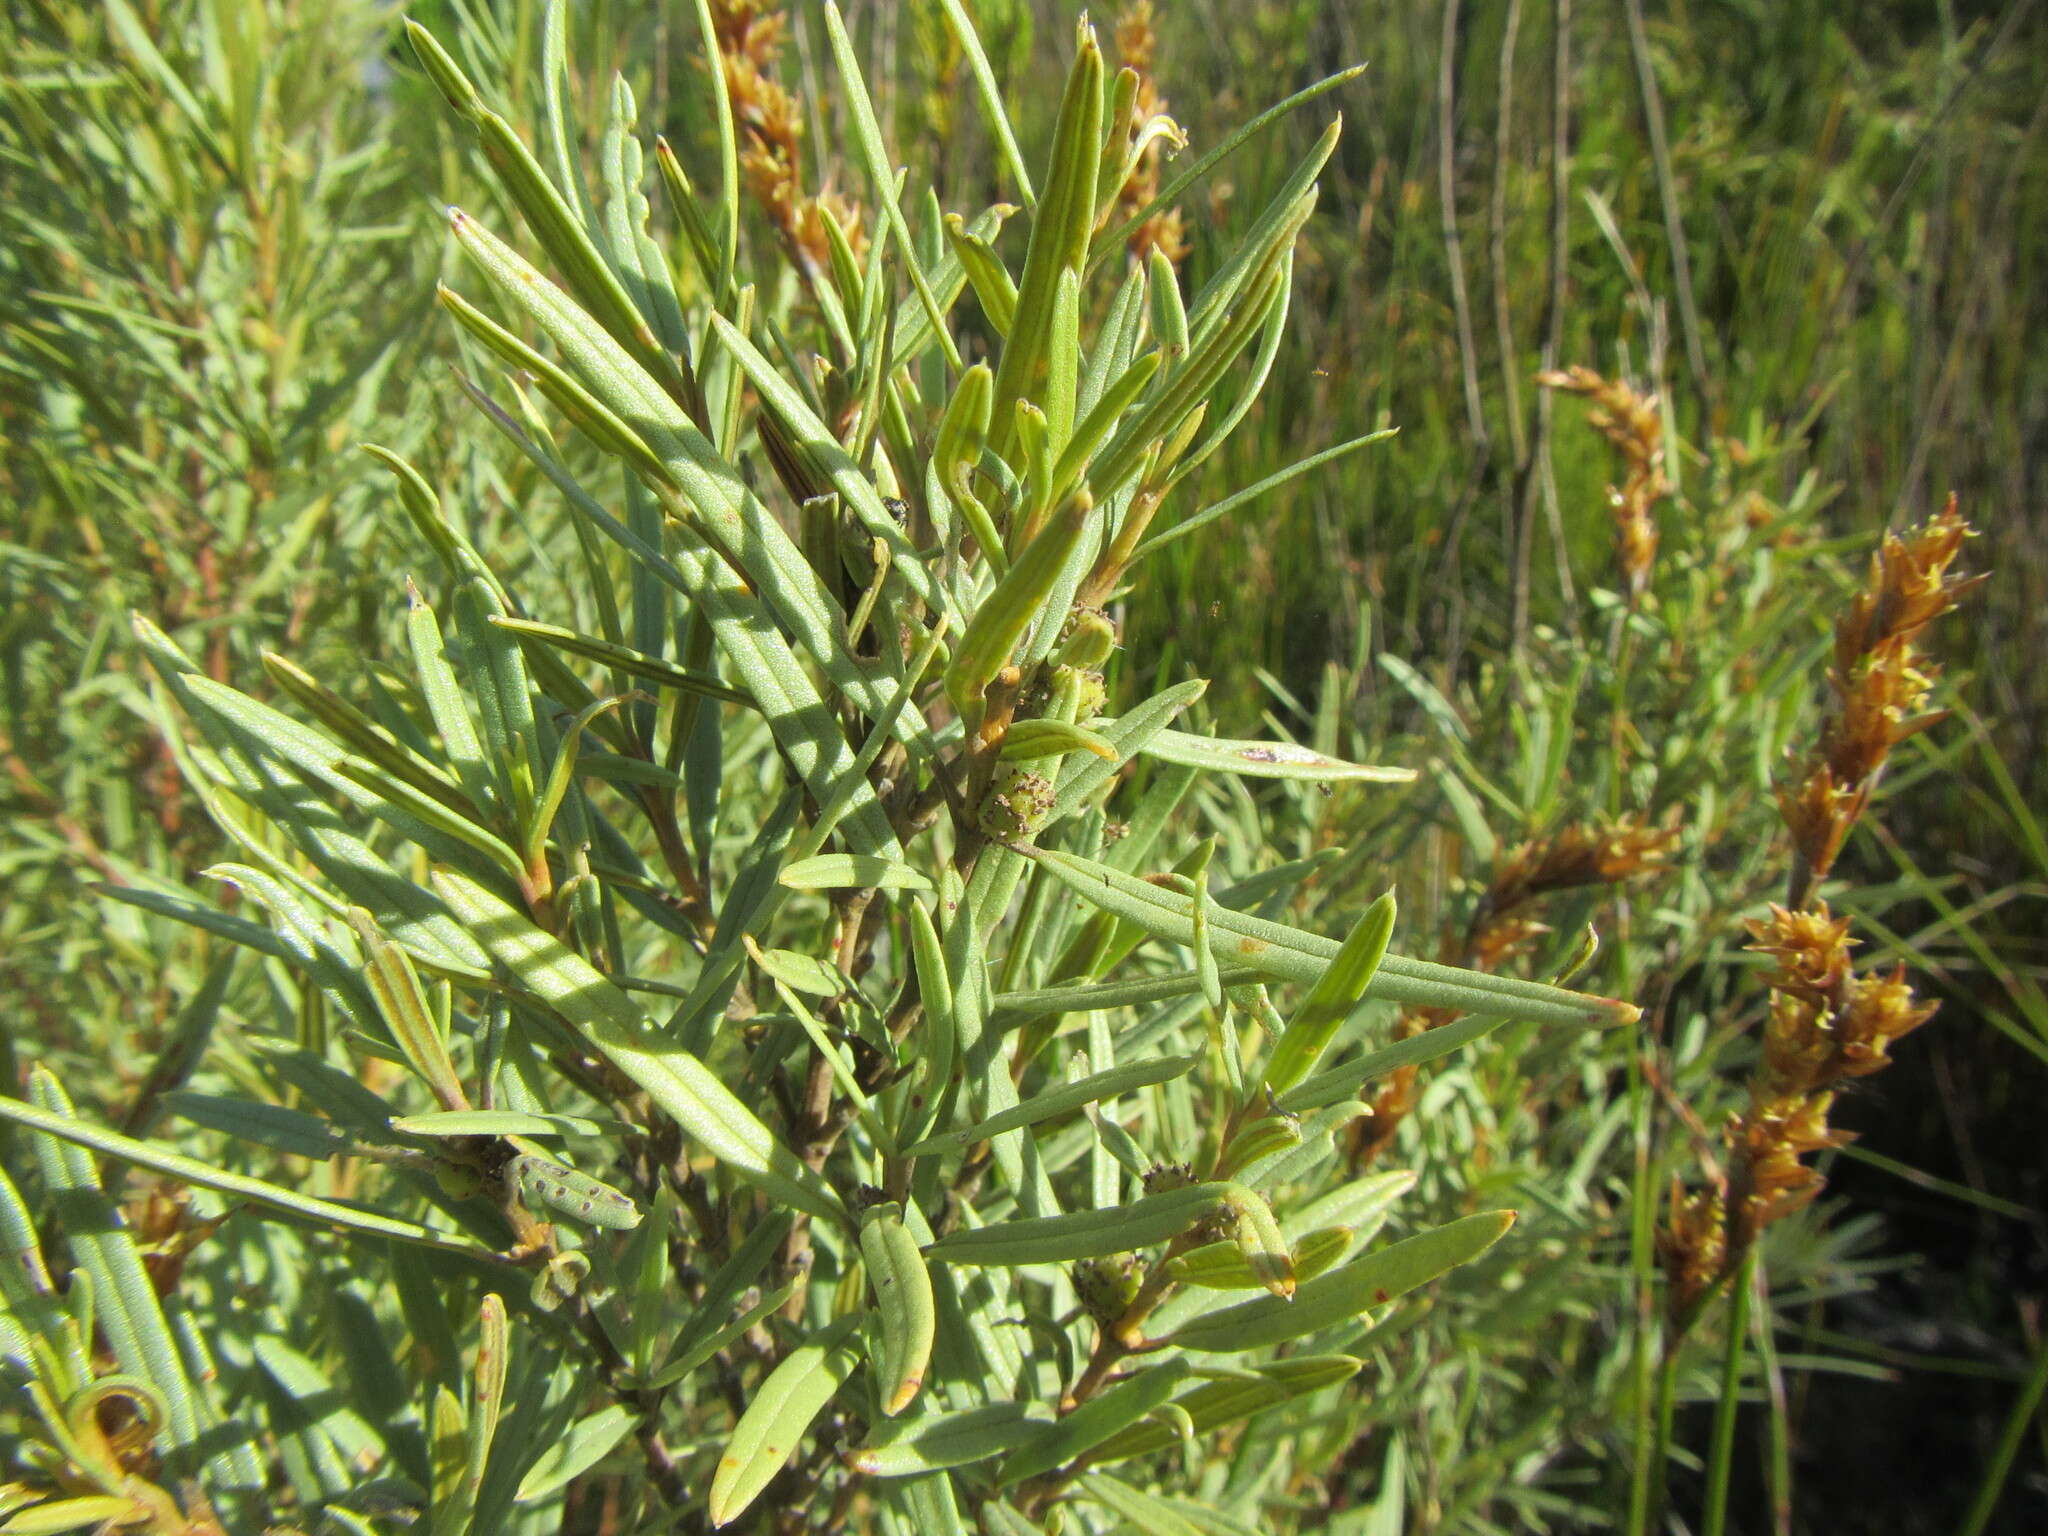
{"type": "Point", "coordinates": [768, 1037]}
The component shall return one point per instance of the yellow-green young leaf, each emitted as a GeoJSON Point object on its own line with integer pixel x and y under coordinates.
{"type": "Point", "coordinates": [851, 871]}
{"type": "Point", "coordinates": [446, 704]}
{"type": "Point", "coordinates": [801, 972]}
{"type": "Point", "coordinates": [935, 1441]}
{"type": "Point", "coordinates": [1341, 1294]}
{"type": "Point", "coordinates": [1267, 760]}
{"type": "Point", "coordinates": [991, 280]}
{"type": "Point", "coordinates": [1032, 453]}
{"type": "Point", "coordinates": [92, 1511]}
{"type": "Point", "coordinates": [963, 431]}
{"type": "Point", "coordinates": [934, 1044]}
{"type": "Point", "coordinates": [1112, 169]}
{"type": "Point", "coordinates": [1224, 1266]}
{"type": "Point", "coordinates": [487, 1399]}
{"type": "Point", "coordinates": [1263, 1138]}
{"type": "Point", "coordinates": [1259, 1239]}
{"type": "Point", "coordinates": [1329, 1003]}
{"type": "Point", "coordinates": [992, 634]}
{"type": "Point", "coordinates": [1063, 365]}
{"type": "Point", "coordinates": [1094, 428]}
{"type": "Point", "coordinates": [446, 74]}
{"type": "Point", "coordinates": [1054, 738]}
{"type": "Point", "coordinates": [903, 1295]}
{"type": "Point", "coordinates": [1083, 1234]}
{"type": "Point", "coordinates": [681, 1085]}
{"type": "Point", "coordinates": [560, 774]}
{"type": "Point", "coordinates": [585, 1444]}
{"type": "Point", "coordinates": [1205, 964]}
{"type": "Point", "coordinates": [776, 1421]}
{"type": "Point", "coordinates": [1060, 225]}
{"type": "Point", "coordinates": [1169, 313]}
{"type": "Point", "coordinates": [1217, 1403]}
{"type": "Point", "coordinates": [402, 1002]}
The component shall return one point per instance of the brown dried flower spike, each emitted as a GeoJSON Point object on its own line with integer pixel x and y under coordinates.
{"type": "Point", "coordinates": [1881, 684]}
{"type": "Point", "coordinates": [1573, 858]}
{"type": "Point", "coordinates": [1136, 43]}
{"type": "Point", "coordinates": [750, 37]}
{"type": "Point", "coordinates": [1630, 422]}
{"type": "Point", "coordinates": [1825, 1022]}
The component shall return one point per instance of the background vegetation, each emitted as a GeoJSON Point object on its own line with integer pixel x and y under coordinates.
{"type": "Point", "coordinates": [1809, 235]}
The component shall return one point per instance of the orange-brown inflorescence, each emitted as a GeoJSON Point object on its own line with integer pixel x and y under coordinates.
{"type": "Point", "coordinates": [1630, 422]}
{"type": "Point", "coordinates": [751, 34]}
{"type": "Point", "coordinates": [1136, 44]}
{"type": "Point", "coordinates": [1825, 1023]}
{"type": "Point", "coordinates": [1880, 682]}
{"type": "Point", "coordinates": [1573, 858]}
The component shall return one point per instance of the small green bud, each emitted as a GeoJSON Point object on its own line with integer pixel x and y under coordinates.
{"type": "Point", "coordinates": [457, 1180]}
{"type": "Point", "coordinates": [1087, 640]}
{"type": "Point", "coordinates": [1017, 803]}
{"type": "Point", "coordinates": [1106, 1286]}
{"type": "Point", "coordinates": [1161, 1177]}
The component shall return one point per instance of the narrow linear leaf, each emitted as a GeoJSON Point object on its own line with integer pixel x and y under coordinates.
{"type": "Point", "coordinates": [1266, 760]}
{"type": "Point", "coordinates": [1083, 1234]}
{"type": "Point", "coordinates": [1062, 1100]}
{"type": "Point", "coordinates": [681, 1085]}
{"type": "Point", "coordinates": [176, 1165]}
{"type": "Point", "coordinates": [1341, 1294]}
{"type": "Point", "coordinates": [775, 1422]}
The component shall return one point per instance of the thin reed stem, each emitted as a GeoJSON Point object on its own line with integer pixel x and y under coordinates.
{"type": "Point", "coordinates": [1727, 1407]}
